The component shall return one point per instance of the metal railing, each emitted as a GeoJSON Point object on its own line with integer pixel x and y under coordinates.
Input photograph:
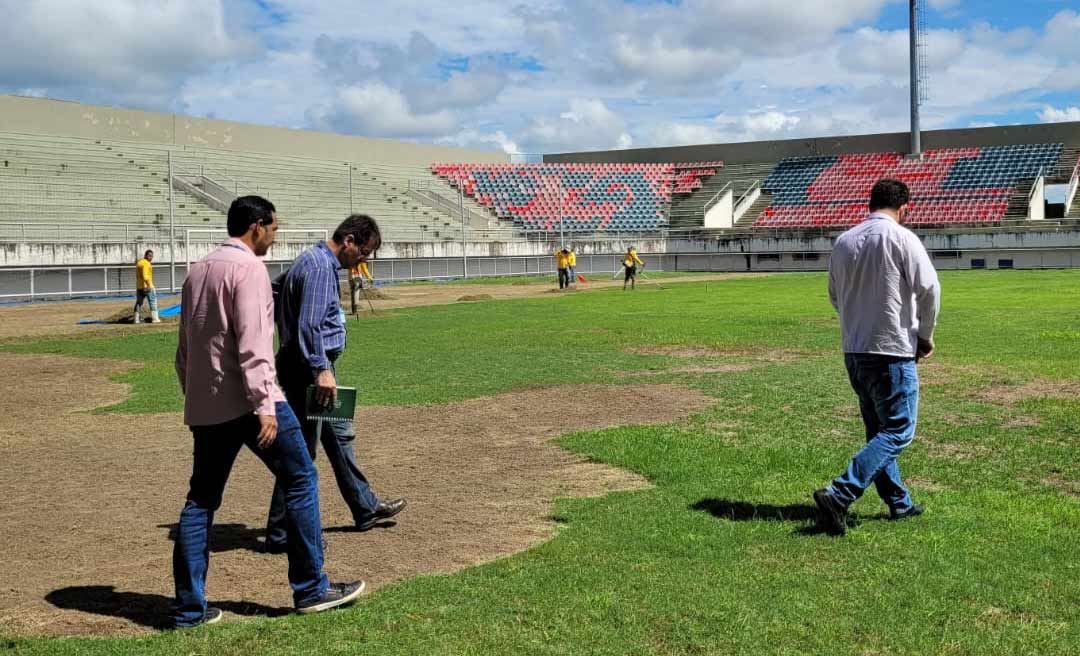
{"type": "Point", "coordinates": [709, 204]}
{"type": "Point", "coordinates": [32, 232]}
{"type": "Point", "coordinates": [1074, 181]}
{"type": "Point", "coordinates": [73, 282]}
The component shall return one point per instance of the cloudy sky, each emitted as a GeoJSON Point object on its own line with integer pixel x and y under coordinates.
{"type": "Point", "coordinates": [547, 75]}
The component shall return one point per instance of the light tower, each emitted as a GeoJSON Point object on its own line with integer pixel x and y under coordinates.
{"type": "Point", "coordinates": [918, 69]}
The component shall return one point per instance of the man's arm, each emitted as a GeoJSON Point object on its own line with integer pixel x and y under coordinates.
{"type": "Point", "coordinates": [833, 293]}
{"type": "Point", "coordinates": [318, 290]}
{"type": "Point", "coordinates": [182, 340]}
{"type": "Point", "coordinates": [924, 283]}
{"type": "Point", "coordinates": [253, 326]}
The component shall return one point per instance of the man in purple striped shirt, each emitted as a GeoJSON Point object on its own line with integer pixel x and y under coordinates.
{"type": "Point", "coordinates": [311, 332]}
{"type": "Point", "coordinates": [224, 360]}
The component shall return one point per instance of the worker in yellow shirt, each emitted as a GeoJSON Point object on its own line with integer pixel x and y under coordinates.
{"type": "Point", "coordinates": [144, 287]}
{"type": "Point", "coordinates": [357, 274]}
{"type": "Point", "coordinates": [571, 265]}
{"type": "Point", "coordinates": [630, 264]}
{"type": "Point", "coordinates": [562, 263]}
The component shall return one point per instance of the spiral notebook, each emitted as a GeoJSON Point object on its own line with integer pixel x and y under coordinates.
{"type": "Point", "coordinates": [343, 408]}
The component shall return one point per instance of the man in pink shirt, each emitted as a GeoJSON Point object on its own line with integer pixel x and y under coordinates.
{"type": "Point", "coordinates": [225, 363]}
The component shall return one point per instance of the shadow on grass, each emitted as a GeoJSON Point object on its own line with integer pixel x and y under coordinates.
{"type": "Point", "coordinates": [149, 610]}
{"type": "Point", "coordinates": [228, 537]}
{"type": "Point", "coordinates": [349, 528]}
{"type": "Point", "coordinates": [745, 511]}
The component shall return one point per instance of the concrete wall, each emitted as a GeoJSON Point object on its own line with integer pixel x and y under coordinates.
{"type": "Point", "coordinates": [774, 151]}
{"type": "Point", "coordinates": [69, 119]}
{"type": "Point", "coordinates": [761, 249]}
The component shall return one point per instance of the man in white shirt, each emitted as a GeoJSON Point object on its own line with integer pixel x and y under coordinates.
{"type": "Point", "coordinates": [884, 287]}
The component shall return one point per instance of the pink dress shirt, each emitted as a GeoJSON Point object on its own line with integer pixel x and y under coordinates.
{"type": "Point", "coordinates": [225, 356]}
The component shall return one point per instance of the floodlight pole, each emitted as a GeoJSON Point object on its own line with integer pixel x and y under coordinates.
{"type": "Point", "coordinates": [916, 140]}
{"type": "Point", "coordinates": [461, 210]}
{"type": "Point", "coordinates": [562, 213]}
{"type": "Point", "coordinates": [172, 230]}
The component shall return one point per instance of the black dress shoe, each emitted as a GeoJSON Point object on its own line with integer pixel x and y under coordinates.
{"type": "Point", "coordinates": [914, 511]}
{"type": "Point", "coordinates": [831, 515]}
{"type": "Point", "coordinates": [383, 511]}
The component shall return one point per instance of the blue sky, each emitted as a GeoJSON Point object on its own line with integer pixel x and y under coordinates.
{"type": "Point", "coordinates": [552, 75]}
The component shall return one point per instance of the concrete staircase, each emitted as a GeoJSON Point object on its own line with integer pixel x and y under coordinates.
{"type": "Point", "coordinates": [747, 220]}
{"type": "Point", "coordinates": [688, 212]}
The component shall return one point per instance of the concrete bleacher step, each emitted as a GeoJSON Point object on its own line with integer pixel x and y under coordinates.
{"type": "Point", "coordinates": [747, 220]}
{"type": "Point", "coordinates": [688, 212]}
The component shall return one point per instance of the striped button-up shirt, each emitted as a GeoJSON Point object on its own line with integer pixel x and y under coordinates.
{"type": "Point", "coordinates": [225, 354]}
{"type": "Point", "coordinates": [309, 318]}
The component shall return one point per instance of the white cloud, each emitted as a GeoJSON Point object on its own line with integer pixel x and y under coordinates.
{"type": "Point", "coordinates": [472, 138]}
{"type": "Point", "coordinates": [1054, 115]}
{"type": "Point", "coordinates": [771, 122]}
{"type": "Point", "coordinates": [377, 110]}
{"type": "Point", "coordinates": [550, 75]}
{"type": "Point", "coordinates": [588, 125]}
{"type": "Point", "coordinates": [121, 50]}
{"type": "Point", "coordinates": [1060, 35]}
{"type": "Point", "coordinates": [659, 61]}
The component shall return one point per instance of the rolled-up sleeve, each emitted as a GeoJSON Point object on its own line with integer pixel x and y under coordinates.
{"type": "Point", "coordinates": [254, 330]}
{"type": "Point", "coordinates": [318, 294]}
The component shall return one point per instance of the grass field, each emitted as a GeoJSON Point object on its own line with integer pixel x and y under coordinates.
{"type": "Point", "coordinates": [715, 557]}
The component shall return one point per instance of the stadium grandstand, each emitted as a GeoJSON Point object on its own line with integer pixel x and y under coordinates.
{"type": "Point", "coordinates": [84, 186]}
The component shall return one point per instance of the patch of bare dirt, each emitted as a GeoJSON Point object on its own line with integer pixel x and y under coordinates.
{"type": "Point", "coordinates": [763, 355]}
{"type": "Point", "coordinates": [937, 372]}
{"type": "Point", "coordinates": [89, 499]}
{"type": "Point", "coordinates": [370, 293]}
{"type": "Point", "coordinates": [694, 369]}
{"type": "Point", "coordinates": [1022, 421]}
{"type": "Point", "coordinates": [954, 450]}
{"type": "Point", "coordinates": [47, 319]}
{"type": "Point", "coordinates": [1057, 481]}
{"type": "Point", "coordinates": [476, 297]}
{"type": "Point", "coordinates": [923, 484]}
{"type": "Point", "coordinates": [1010, 395]}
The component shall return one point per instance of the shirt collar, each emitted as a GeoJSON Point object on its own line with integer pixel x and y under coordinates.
{"type": "Point", "coordinates": [233, 242]}
{"type": "Point", "coordinates": [327, 253]}
{"type": "Point", "coordinates": [879, 215]}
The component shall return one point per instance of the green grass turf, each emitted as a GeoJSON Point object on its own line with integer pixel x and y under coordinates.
{"type": "Point", "coordinates": [551, 278]}
{"type": "Point", "coordinates": [712, 559]}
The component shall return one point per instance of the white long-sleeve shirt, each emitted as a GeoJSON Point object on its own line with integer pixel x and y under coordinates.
{"type": "Point", "coordinates": [884, 287]}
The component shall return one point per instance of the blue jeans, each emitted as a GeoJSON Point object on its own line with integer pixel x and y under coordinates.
{"type": "Point", "coordinates": [337, 439]}
{"type": "Point", "coordinates": [888, 391]}
{"type": "Point", "coordinates": [216, 448]}
{"type": "Point", "coordinates": [148, 294]}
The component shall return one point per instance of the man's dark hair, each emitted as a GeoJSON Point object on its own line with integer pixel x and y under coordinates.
{"type": "Point", "coordinates": [889, 194]}
{"type": "Point", "coordinates": [246, 210]}
{"type": "Point", "coordinates": [361, 228]}
{"type": "Point", "coordinates": [148, 253]}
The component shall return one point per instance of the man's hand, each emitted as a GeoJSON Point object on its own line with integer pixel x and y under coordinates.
{"type": "Point", "coordinates": [325, 388]}
{"type": "Point", "coordinates": [267, 431]}
{"type": "Point", "coordinates": [924, 350]}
